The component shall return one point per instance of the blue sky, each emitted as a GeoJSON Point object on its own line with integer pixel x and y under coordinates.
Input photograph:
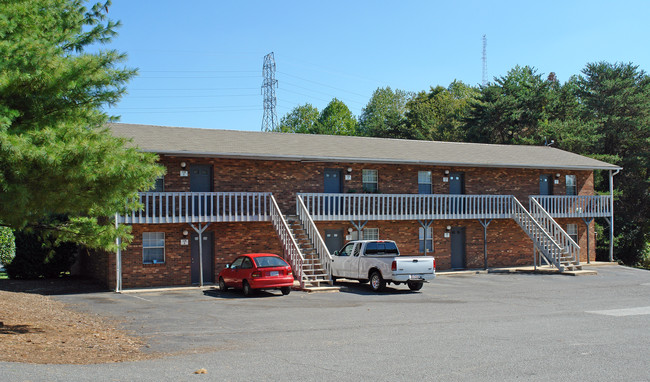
{"type": "Point", "coordinates": [200, 62]}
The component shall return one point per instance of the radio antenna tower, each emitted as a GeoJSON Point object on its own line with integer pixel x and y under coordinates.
{"type": "Point", "coordinates": [485, 74]}
{"type": "Point", "coordinates": [270, 119]}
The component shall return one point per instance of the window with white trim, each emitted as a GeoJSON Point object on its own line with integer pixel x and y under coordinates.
{"type": "Point", "coordinates": [429, 239]}
{"type": "Point", "coordinates": [370, 180]}
{"type": "Point", "coordinates": [370, 233]}
{"type": "Point", "coordinates": [571, 186]}
{"type": "Point", "coordinates": [572, 230]}
{"type": "Point", "coordinates": [153, 247]}
{"type": "Point", "coordinates": [424, 182]}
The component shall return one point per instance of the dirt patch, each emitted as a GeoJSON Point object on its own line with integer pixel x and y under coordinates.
{"type": "Point", "coordinates": [38, 329]}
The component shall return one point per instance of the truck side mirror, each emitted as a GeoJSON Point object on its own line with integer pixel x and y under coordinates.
{"type": "Point", "coordinates": [336, 253]}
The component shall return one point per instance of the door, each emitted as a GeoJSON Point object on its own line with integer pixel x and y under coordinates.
{"type": "Point", "coordinates": [208, 255]}
{"type": "Point", "coordinates": [341, 260]}
{"type": "Point", "coordinates": [546, 184]}
{"type": "Point", "coordinates": [456, 187]}
{"type": "Point", "coordinates": [333, 239]}
{"type": "Point", "coordinates": [201, 181]}
{"type": "Point", "coordinates": [332, 185]}
{"type": "Point", "coordinates": [458, 248]}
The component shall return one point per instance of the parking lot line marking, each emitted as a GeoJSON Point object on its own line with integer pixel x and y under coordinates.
{"type": "Point", "coordinates": [130, 295]}
{"type": "Point", "coordinates": [643, 310]}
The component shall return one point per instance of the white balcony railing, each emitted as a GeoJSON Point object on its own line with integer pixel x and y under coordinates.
{"type": "Point", "coordinates": [197, 207]}
{"type": "Point", "coordinates": [406, 206]}
{"type": "Point", "coordinates": [575, 206]}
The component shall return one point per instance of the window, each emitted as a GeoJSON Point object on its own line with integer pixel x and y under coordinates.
{"type": "Point", "coordinates": [424, 182]}
{"type": "Point", "coordinates": [247, 263]}
{"type": "Point", "coordinates": [382, 248]}
{"type": "Point", "coordinates": [237, 263]}
{"type": "Point", "coordinates": [371, 234]}
{"type": "Point", "coordinates": [571, 187]}
{"type": "Point", "coordinates": [572, 230]}
{"type": "Point", "coordinates": [153, 247]}
{"type": "Point", "coordinates": [347, 250]}
{"type": "Point", "coordinates": [429, 239]}
{"type": "Point", "coordinates": [159, 186]}
{"type": "Point", "coordinates": [369, 180]}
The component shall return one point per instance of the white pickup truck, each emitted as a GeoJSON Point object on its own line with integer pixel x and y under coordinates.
{"type": "Point", "coordinates": [379, 262]}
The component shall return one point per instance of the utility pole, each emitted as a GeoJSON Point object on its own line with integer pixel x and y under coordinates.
{"type": "Point", "coordinates": [270, 118]}
{"type": "Point", "coordinates": [485, 73]}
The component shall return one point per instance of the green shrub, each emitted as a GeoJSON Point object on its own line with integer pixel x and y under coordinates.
{"type": "Point", "coordinates": [7, 246]}
{"type": "Point", "coordinates": [36, 257]}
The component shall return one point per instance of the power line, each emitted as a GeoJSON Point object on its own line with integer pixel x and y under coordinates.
{"type": "Point", "coordinates": [322, 84]}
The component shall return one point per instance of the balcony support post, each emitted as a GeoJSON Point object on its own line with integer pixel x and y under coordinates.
{"type": "Point", "coordinates": [118, 259]}
{"type": "Point", "coordinates": [588, 224]}
{"type": "Point", "coordinates": [425, 225]}
{"type": "Point", "coordinates": [485, 223]}
{"type": "Point", "coordinates": [200, 231]}
{"type": "Point", "coordinates": [359, 226]}
{"type": "Point", "coordinates": [611, 211]}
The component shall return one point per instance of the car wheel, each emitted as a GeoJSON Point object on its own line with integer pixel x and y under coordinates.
{"type": "Point", "coordinates": [285, 290]}
{"type": "Point", "coordinates": [247, 289]}
{"type": "Point", "coordinates": [377, 283]}
{"type": "Point", "coordinates": [222, 285]}
{"type": "Point", "coordinates": [414, 285]}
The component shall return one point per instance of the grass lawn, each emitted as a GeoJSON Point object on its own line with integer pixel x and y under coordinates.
{"type": "Point", "coordinates": [3, 275]}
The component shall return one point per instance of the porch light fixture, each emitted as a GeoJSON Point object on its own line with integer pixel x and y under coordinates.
{"type": "Point", "coordinates": [185, 233]}
{"type": "Point", "coordinates": [349, 170]}
{"type": "Point", "coordinates": [446, 172]}
{"type": "Point", "coordinates": [350, 230]}
{"type": "Point", "coordinates": [183, 164]}
{"type": "Point", "coordinates": [448, 228]}
{"type": "Point", "coordinates": [557, 175]}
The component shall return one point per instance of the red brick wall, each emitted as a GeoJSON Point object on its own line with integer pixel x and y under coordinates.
{"type": "Point", "coordinates": [286, 178]}
{"type": "Point", "coordinates": [231, 240]}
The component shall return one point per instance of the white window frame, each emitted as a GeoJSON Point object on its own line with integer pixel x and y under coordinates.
{"type": "Point", "coordinates": [574, 186]}
{"type": "Point", "coordinates": [370, 180]}
{"type": "Point", "coordinates": [572, 231]}
{"type": "Point", "coordinates": [424, 178]}
{"type": "Point", "coordinates": [421, 238]}
{"type": "Point", "coordinates": [152, 240]}
{"type": "Point", "coordinates": [368, 234]}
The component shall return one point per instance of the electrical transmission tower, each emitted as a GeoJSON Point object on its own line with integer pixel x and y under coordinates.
{"type": "Point", "coordinates": [485, 74]}
{"type": "Point", "coordinates": [270, 119]}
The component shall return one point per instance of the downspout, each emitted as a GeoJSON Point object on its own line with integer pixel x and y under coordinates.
{"type": "Point", "coordinates": [611, 210]}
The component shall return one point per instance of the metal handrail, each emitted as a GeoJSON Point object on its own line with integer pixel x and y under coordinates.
{"type": "Point", "coordinates": [556, 231]}
{"type": "Point", "coordinates": [324, 206]}
{"type": "Point", "coordinates": [314, 235]}
{"type": "Point", "coordinates": [197, 207]}
{"type": "Point", "coordinates": [575, 206]}
{"type": "Point", "coordinates": [541, 239]}
{"type": "Point", "coordinates": [289, 244]}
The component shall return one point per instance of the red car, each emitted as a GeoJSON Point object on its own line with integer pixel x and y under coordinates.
{"type": "Point", "coordinates": [257, 271]}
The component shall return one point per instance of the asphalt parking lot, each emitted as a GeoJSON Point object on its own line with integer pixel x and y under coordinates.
{"type": "Point", "coordinates": [489, 327]}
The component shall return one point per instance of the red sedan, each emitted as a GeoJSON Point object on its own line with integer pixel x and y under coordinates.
{"type": "Point", "coordinates": [257, 271]}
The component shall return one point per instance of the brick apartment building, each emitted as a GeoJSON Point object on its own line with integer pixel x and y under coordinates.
{"type": "Point", "coordinates": [303, 196]}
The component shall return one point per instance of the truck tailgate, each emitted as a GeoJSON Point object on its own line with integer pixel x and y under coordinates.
{"type": "Point", "coordinates": [414, 265]}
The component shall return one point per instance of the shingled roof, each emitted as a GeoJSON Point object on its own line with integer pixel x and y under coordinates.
{"type": "Point", "coordinates": [183, 141]}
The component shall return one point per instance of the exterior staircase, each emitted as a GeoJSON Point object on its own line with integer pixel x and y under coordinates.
{"type": "Point", "coordinates": [549, 239]}
{"type": "Point", "coordinates": [314, 273]}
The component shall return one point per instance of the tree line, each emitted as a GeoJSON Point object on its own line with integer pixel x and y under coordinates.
{"type": "Point", "coordinates": [603, 113]}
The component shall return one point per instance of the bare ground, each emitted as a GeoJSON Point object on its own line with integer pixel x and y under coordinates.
{"type": "Point", "coordinates": [35, 328]}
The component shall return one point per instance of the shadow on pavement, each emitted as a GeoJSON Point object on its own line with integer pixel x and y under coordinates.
{"type": "Point", "coordinates": [238, 294]}
{"type": "Point", "coordinates": [48, 287]}
{"type": "Point", "coordinates": [365, 290]}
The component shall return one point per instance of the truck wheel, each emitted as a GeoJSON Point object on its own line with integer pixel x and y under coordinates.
{"type": "Point", "coordinates": [415, 285]}
{"type": "Point", "coordinates": [377, 283]}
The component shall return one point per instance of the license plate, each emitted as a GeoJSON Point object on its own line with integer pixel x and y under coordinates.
{"type": "Point", "coordinates": [274, 273]}
{"type": "Point", "coordinates": [415, 277]}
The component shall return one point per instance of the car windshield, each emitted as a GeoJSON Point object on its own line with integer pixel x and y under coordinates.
{"type": "Point", "coordinates": [270, 261]}
{"type": "Point", "coordinates": [382, 248]}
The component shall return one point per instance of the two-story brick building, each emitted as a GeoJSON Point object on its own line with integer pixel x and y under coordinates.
{"type": "Point", "coordinates": [302, 196]}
